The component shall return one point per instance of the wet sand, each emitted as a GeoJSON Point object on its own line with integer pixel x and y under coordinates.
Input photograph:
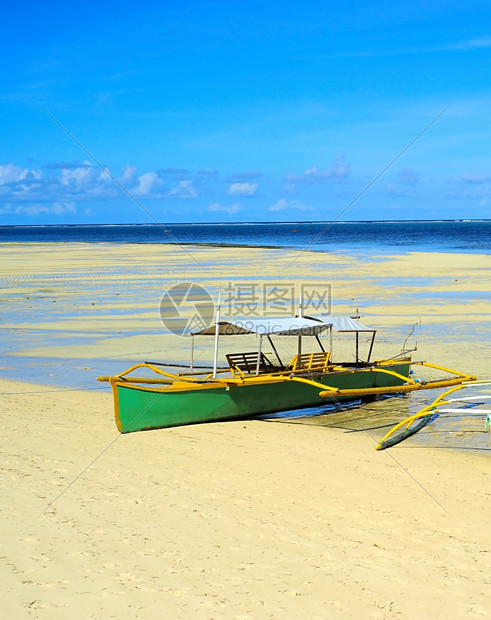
{"type": "Point", "coordinates": [248, 519]}
{"type": "Point", "coordinates": [90, 302]}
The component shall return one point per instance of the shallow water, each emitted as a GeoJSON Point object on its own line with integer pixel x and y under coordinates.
{"type": "Point", "coordinates": [72, 313]}
{"type": "Point", "coordinates": [465, 431]}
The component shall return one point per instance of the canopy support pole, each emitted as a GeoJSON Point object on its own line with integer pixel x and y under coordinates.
{"type": "Point", "coordinates": [371, 346]}
{"type": "Point", "coordinates": [258, 362]}
{"type": "Point", "coordinates": [217, 333]}
{"type": "Point", "coordinates": [191, 364]}
{"type": "Point", "coordinates": [275, 351]}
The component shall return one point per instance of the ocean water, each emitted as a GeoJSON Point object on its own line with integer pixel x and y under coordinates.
{"type": "Point", "coordinates": [432, 236]}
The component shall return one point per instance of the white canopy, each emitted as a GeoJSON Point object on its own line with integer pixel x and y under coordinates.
{"type": "Point", "coordinates": [284, 326]}
{"type": "Point", "coordinates": [342, 323]}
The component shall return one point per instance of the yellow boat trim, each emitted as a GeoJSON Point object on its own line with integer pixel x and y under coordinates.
{"type": "Point", "coordinates": [181, 382]}
{"type": "Point", "coordinates": [389, 372]}
{"type": "Point", "coordinates": [454, 372]}
{"type": "Point", "coordinates": [179, 386]}
{"type": "Point", "coordinates": [397, 389]}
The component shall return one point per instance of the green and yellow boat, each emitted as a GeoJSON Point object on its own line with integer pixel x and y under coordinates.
{"type": "Point", "coordinates": [254, 383]}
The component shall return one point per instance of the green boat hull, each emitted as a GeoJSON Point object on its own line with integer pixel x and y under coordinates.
{"type": "Point", "coordinates": [143, 408]}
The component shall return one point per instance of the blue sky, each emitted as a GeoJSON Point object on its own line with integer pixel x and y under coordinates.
{"type": "Point", "coordinates": [244, 111]}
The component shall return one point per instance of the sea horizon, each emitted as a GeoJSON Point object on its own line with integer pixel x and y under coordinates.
{"type": "Point", "coordinates": [254, 223]}
{"type": "Point", "coordinates": [374, 236]}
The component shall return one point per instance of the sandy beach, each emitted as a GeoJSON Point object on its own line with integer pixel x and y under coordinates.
{"type": "Point", "coordinates": [246, 519]}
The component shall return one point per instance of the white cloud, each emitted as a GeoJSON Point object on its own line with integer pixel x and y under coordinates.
{"type": "Point", "coordinates": [87, 181]}
{"type": "Point", "coordinates": [233, 208]}
{"type": "Point", "coordinates": [19, 183]}
{"type": "Point", "coordinates": [284, 204]}
{"type": "Point", "coordinates": [242, 177]}
{"type": "Point", "coordinates": [13, 178]}
{"type": "Point", "coordinates": [129, 176]}
{"type": "Point", "coordinates": [56, 208]}
{"type": "Point", "coordinates": [208, 173]}
{"type": "Point", "coordinates": [10, 174]}
{"type": "Point", "coordinates": [336, 173]}
{"type": "Point", "coordinates": [473, 178]}
{"type": "Point", "coordinates": [148, 184]}
{"type": "Point", "coordinates": [242, 189]}
{"type": "Point", "coordinates": [471, 185]}
{"type": "Point", "coordinates": [185, 190]}
{"type": "Point", "coordinates": [471, 44]}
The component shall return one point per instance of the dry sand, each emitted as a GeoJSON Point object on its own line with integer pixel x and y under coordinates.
{"type": "Point", "coordinates": [232, 520]}
{"type": "Point", "coordinates": [246, 519]}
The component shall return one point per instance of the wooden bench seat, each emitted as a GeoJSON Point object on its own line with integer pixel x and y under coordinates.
{"type": "Point", "coordinates": [310, 361]}
{"type": "Point", "coordinates": [247, 362]}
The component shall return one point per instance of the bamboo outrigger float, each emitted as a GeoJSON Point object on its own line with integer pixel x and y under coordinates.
{"type": "Point", "coordinates": [252, 384]}
{"type": "Point", "coordinates": [462, 403]}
